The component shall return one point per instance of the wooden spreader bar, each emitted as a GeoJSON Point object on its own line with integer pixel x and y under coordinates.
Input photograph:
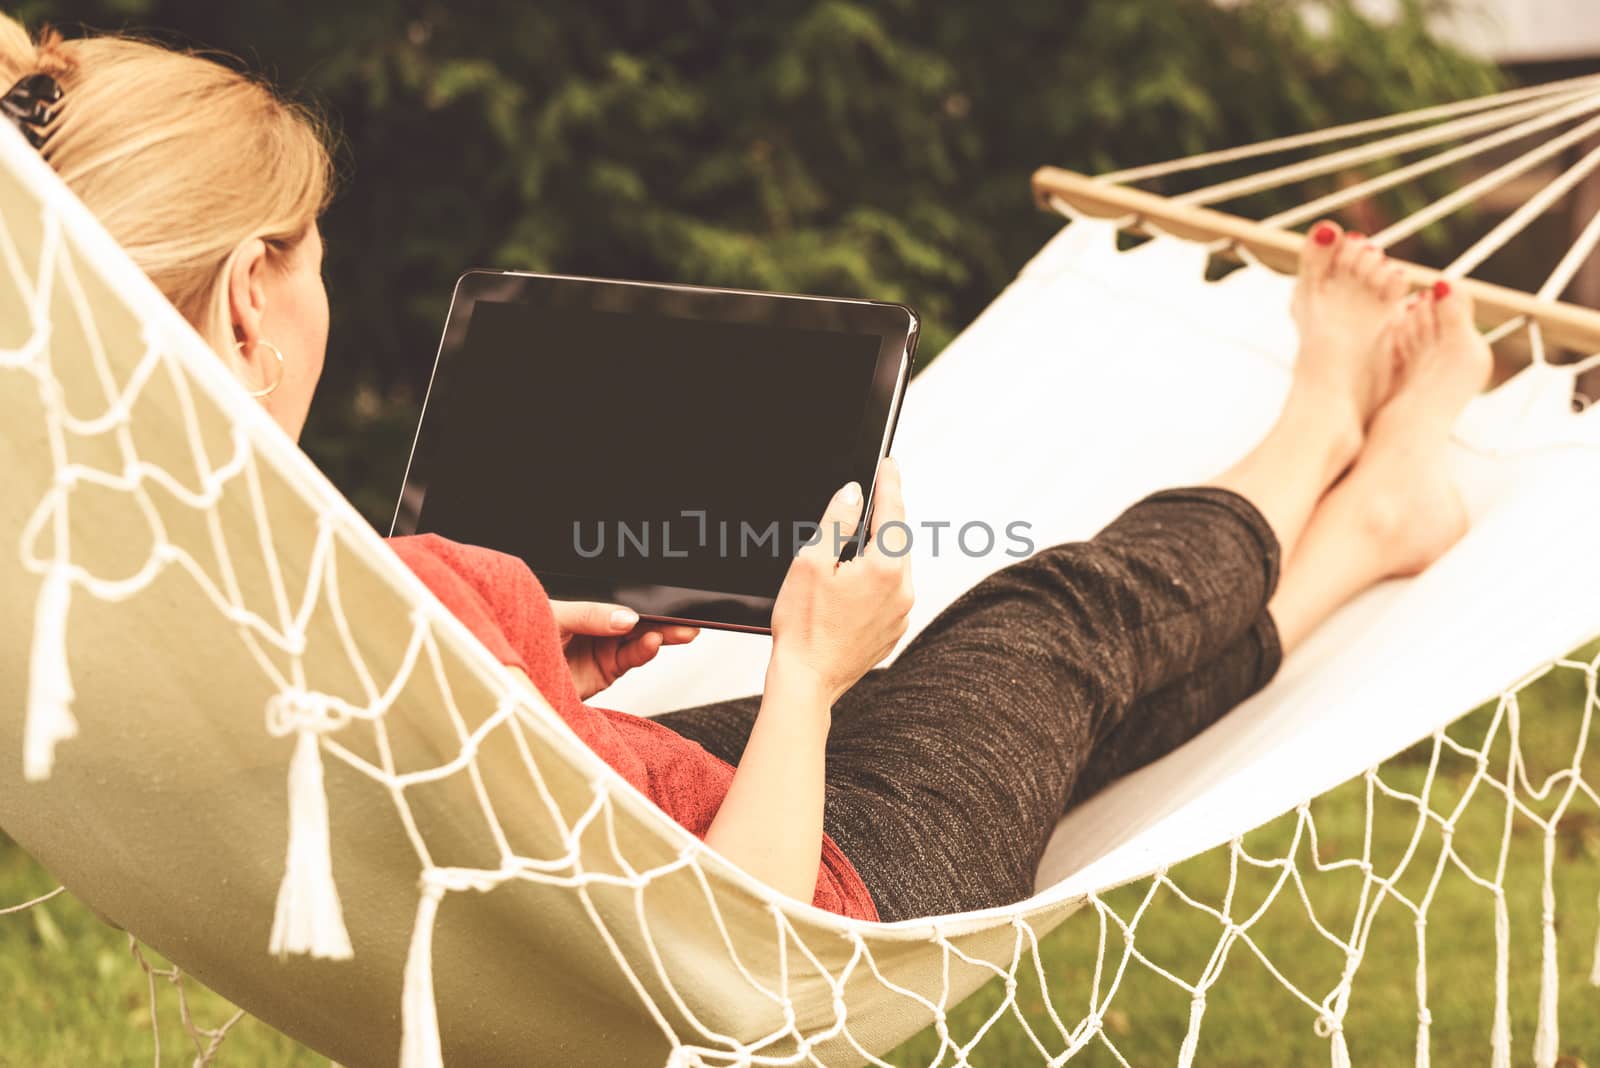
{"type": "Point", "coordinates": [1563, 324]}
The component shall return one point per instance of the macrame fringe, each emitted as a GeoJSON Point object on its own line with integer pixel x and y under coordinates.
{"type": "Point", "coordinates": [1594, 969]}
{"type": "Point", "coordinates": [1547, 1038]}
{"type": "Point", "coordinates": [419, 1015]}
{"type": "Point", "coordinates": [309, 918]}
{"type": "Point", "coordinates": [50, 694]}
{"type": "Point", "coordinates": [1340, 1050]}
{"type": "Point", "coordinates": [1424, 1016]}
{"type": "Point", "coordinates": [1500, 1035]}
{"type": "Point", "coordinates": [1191, 1040]}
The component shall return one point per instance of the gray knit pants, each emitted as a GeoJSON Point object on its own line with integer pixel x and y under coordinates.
{"type": "Point", "coordinates": [947, 770]}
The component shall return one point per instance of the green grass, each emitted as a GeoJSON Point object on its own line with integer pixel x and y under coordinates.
{"type": "Point", "coordinates": [1251, 1018]}
{"type": "Point", "coordinates": [73, 994]}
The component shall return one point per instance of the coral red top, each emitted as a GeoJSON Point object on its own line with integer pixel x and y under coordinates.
{"type": "Point", "coordinates": [501, 602]}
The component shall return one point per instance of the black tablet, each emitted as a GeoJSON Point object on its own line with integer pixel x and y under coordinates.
{"type": "Point", "coordinates": [664, 447]}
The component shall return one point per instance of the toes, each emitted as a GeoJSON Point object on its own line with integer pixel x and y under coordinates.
{"type": "Point", "coordinates": [1412, 326]}
{"type": "Point", "coordinates": [1427, 317]}
{"type": "Point", "coordinates": [1369, 264]}
{"type": "Point", "coordinates": [1348, 252]}
{"type": "Point", "coordinates": [1391, 283]}
{"type": "Point", "coordinates": [1453, 306]}
{"type": "Point", "coordinates": [1458, 329]}
{"type": "Point", "coordinates": [1404, 342]}
{"type": "Point", "coordinates": [1317, 252]}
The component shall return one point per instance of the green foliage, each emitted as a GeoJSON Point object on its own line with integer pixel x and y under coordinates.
{"type": "Point", "coordinates": [1252, 1020]}
{"type": "Point", "coordinates": [76, 997]}
{"type": "Point", "coordinates": [862, 149]}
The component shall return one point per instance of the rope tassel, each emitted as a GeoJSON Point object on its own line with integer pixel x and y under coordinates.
{"type": "Point", "coordinates": [1594, 970]}
{"type": "Point", "coordinates": [419, 1015]}
{"type": "Point", "coordinates": [50, 694]}
{"type": "Point", "coordinates": [1191, 1038]}
{"type": "Point", "coordinates": [1500, 1033]}
{"type": "Point", "coordinates": [1339, 1051]}
{"type": "Point", "coordinates": [1547, 1040]}
{"type": "Point", "coordinates": [1424, 1017]}
{"type": "Point", "coordinates": [309, 918]}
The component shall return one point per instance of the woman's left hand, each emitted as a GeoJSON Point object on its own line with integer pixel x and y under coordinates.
{"type": "Point", "coordinates": [603, 642]}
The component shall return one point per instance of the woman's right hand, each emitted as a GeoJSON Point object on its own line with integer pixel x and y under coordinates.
{"type": "Point", "coordinates": [833, 622]}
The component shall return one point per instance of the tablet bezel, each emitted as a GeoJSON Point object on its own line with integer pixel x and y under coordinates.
{"type": "Point", "coordinates": [896, 327]}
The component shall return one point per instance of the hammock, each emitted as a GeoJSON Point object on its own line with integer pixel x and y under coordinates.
{"type": "Point", "coordinates": [235, 725]}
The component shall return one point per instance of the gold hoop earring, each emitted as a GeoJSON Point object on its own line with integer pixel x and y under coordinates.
{"type": "Point", "coordinates": [258, 394]}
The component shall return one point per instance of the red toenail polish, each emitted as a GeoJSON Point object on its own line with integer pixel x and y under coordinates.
{"type": "Point", "coordinates": [1356, 235]}
{"type": "Point", "coordinates": [1323, 234]}
{"type": "Point", "coordinates": [1441, 289]}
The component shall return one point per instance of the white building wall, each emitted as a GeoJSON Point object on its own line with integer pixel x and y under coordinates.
{"type": "Point", "coordinates": [1515, 31]}
{"type": "Point", "coordinates": [1507, 31]}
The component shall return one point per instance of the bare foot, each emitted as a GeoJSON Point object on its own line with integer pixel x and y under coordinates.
{"type": "Point", "coordinates": [1441, 352]}
{"type": "Point", "coordinates": [1400, 490]}
{"type": "Point", "coordinates": [1345, 300]}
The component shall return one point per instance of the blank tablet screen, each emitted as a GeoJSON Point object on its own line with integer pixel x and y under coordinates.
{"type": "Point", "coordinates": [618, 449]}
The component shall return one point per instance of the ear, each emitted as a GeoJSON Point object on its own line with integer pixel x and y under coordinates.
{"type": "Point", "coordinates": [247, 307]}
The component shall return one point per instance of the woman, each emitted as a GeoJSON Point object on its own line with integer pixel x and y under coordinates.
{"type": "Point", "coordinates": [932, 785]}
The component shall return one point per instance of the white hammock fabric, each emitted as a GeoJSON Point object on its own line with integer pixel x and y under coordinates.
{"type": "Point", "coordinates": [1100, 376]}
{"type": "Point", "coordinates": [235, 725]}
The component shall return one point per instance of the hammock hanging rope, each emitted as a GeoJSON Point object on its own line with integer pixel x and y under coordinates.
{"type": "Point", "coordinates": [236, 726]}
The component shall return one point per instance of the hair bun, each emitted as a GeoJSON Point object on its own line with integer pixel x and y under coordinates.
{"type": "Point", "coordinates": [22, 54]}
{"type": "Point", "coordinates": [51, 54]}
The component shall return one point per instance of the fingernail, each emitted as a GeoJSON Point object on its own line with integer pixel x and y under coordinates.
{"type": "Point", "coordinates": [1323, 234]}
{"type": "Point", "coordinates": [851, 493]}
{"type": "Point", "coordinates": [624, 617]}
{"type": "Point", "coordinates": [1441, 289]}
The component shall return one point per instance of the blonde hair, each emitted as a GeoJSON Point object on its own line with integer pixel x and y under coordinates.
{"type": "Point", "coordinates": [181, 158]}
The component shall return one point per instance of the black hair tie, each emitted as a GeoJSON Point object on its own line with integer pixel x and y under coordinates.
{"type": "Point", "coordinates": [33, 103]}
